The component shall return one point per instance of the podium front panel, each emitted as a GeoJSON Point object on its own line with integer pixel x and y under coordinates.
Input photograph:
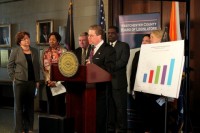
{"type": "Point", "coordinates": [80, 76]}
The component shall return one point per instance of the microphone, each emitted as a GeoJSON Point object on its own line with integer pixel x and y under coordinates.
{"type": "Point", "coordinates": [92, 46]}
{"type": "Point", "coordinates": [91, 53]}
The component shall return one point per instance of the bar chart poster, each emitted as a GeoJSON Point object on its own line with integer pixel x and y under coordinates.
{"type": "Point", "coordinates": [160, 68]}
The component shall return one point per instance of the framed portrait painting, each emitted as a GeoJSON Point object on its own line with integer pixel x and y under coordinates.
{"type": "Point", "coordinates": [44, 28]}
{"type": "Point", "coordinates": [5, 35]}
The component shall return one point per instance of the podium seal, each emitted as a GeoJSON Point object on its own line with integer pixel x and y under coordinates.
{"type": "Point", "coordinates": [68, 64]}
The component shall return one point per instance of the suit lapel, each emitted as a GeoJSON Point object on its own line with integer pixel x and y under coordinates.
{"type": "Point", "coordinates": [117, 43]}
{"type": "Point", "coordinates": [100, 50]}
{"type": "Point", "coordinates": [32, 54]}
{"type": "Point", "coordinates": [88, 52]}
{"type": "Point", "coordinates": [79, 54]}
{"type": "Point", "coordinates": [21, 53]}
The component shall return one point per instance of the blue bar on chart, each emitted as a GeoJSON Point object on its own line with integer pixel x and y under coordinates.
{"type": "Point", "coordinates": [144, 77]}
{"type": "Point", "coordinates": [171, 70]}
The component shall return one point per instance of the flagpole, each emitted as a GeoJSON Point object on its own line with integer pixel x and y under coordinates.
{"type": "Point", "coordinates": [187, 65]}
{"type": "Point", "coordinates": [69, 38]}
{"type": "Point", "coordinates": [70, 34]}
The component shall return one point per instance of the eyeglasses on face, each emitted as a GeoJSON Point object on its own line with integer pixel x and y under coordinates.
{"type": "Point", "coordinates": [25, 39]}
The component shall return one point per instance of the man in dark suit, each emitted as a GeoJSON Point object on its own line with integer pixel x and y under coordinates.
{"type": "Point", "coordinates": [44, 34]}
{"type": "Point", "coordinates": [103, 56]}
{"type": "Point", "coordinates": [83, 51]}
{"type": "Point", "coordinates": [117, 121]}
{"type": "Point", "coordinates": [1, 40]}
{"type": "Point", "coordinates": [4, 39]}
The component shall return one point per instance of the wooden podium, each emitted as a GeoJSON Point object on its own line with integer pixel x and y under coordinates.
{"type": "Point", "coordinates": [81, 95]}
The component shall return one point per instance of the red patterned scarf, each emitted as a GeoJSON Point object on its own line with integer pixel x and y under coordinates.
{"type": "Point", "coordinates": [51, 56]}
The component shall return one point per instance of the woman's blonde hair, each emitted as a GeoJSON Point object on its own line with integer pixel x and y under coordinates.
{"type": "Point", "coordinates": [158, 33]}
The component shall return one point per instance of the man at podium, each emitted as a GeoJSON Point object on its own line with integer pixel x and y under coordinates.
{"type": "Point", "coordinates": [103, 55]}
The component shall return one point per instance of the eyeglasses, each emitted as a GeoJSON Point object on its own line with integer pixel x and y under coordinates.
{"type": "Point", "coordinates": [25, 39]}
{"type": "Point", "coordinates": [91, 35]}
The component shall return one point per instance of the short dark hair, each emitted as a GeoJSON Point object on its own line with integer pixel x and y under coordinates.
{"type": "Point", "coordinates": [56, 34]}
{"type": "Point", "coordinates": [20, 35]}
{"type": "Point", "coordinates": [84, 34]}
{"type": "Point", "coordinates": [114, 27]}
{"type": "Point", "coordinates": [148, 35]}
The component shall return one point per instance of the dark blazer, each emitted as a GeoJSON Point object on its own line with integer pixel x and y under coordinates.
{"type": "Point", "coordinates": [18, 67]}
{"type": "Point", "coordinates": [119, 78]}
{"type": "Point", "coordinates": [1, 40]}
{"type": "Point", "coordinates": [78, 53]}
{"type": "Point", "coordinates": [134, 70]}
{"type": "Point", "coordinates": [42, 39]}
{"type": "Point", "coordinates": [105, 57]}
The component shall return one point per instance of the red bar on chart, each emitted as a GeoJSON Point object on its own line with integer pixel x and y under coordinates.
{"type": "Point", "coordinates": [151, 76]}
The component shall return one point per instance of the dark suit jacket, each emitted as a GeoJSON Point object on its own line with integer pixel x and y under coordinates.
{"type": "Point", "coordinates": [18, 67]}
{"type": "Point", "coordinates": [1, 40]}
{"type": "Point", "coordinates": [119, 78]}
{"type": "Point", "coordinates": [105, 57]}
{"type": "Point", "coordinates": [78, 53]}
{"type": "Point", "coordinates": [134, 69]}
{"type": "Point", "coordinates": [42, 39]}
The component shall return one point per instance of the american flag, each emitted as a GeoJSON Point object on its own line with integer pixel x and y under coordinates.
{"type": "Point", "coordinates": [102, 20]}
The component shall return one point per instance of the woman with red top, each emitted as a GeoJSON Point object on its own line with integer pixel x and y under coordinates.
{"type": "Point", "coordinates": [56, 104]}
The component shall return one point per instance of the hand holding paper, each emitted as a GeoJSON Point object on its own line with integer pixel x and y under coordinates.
{"type": "Point", "coordinates": [59, 89]}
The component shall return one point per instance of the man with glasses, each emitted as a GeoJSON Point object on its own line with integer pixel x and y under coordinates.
{"type": "Point", "coordinates": [103, 56]}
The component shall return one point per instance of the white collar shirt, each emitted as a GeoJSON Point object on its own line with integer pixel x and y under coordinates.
{"type": "Point", "coordinates": [98, 46]}
{"type": "Point", "coordinates": [113, 43]}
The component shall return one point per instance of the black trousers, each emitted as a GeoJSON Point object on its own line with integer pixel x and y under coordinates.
{"type": "Point", "coordinates": [24, 92]}
{"type": "Point", "coordinates": [117, 111]}
{"type": "Point", "coordinates": [101, 107]}
{"type": "Point", "coordinates": [56, 104]}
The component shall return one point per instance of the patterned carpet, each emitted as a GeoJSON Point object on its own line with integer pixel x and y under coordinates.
{"type": "Point", "coordinates": [6, 121]}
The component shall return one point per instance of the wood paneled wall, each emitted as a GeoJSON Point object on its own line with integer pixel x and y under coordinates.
{"type": "Point", "coordinates": [127, 7]}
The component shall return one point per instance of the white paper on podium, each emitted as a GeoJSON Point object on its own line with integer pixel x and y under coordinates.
{"type": "Point", "coordinates": [59, 89]}
{"type": "Point", "coordinates": [160, 68]}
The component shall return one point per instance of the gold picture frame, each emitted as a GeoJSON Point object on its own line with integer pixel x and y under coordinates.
{"type": "Point", "coordinates": [5, 35]}
{"type": "Point", "coordinates": [43, 29]}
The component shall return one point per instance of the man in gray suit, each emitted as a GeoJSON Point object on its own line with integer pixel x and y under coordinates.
{"type": "Point", "coordinates": [117, 120]}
